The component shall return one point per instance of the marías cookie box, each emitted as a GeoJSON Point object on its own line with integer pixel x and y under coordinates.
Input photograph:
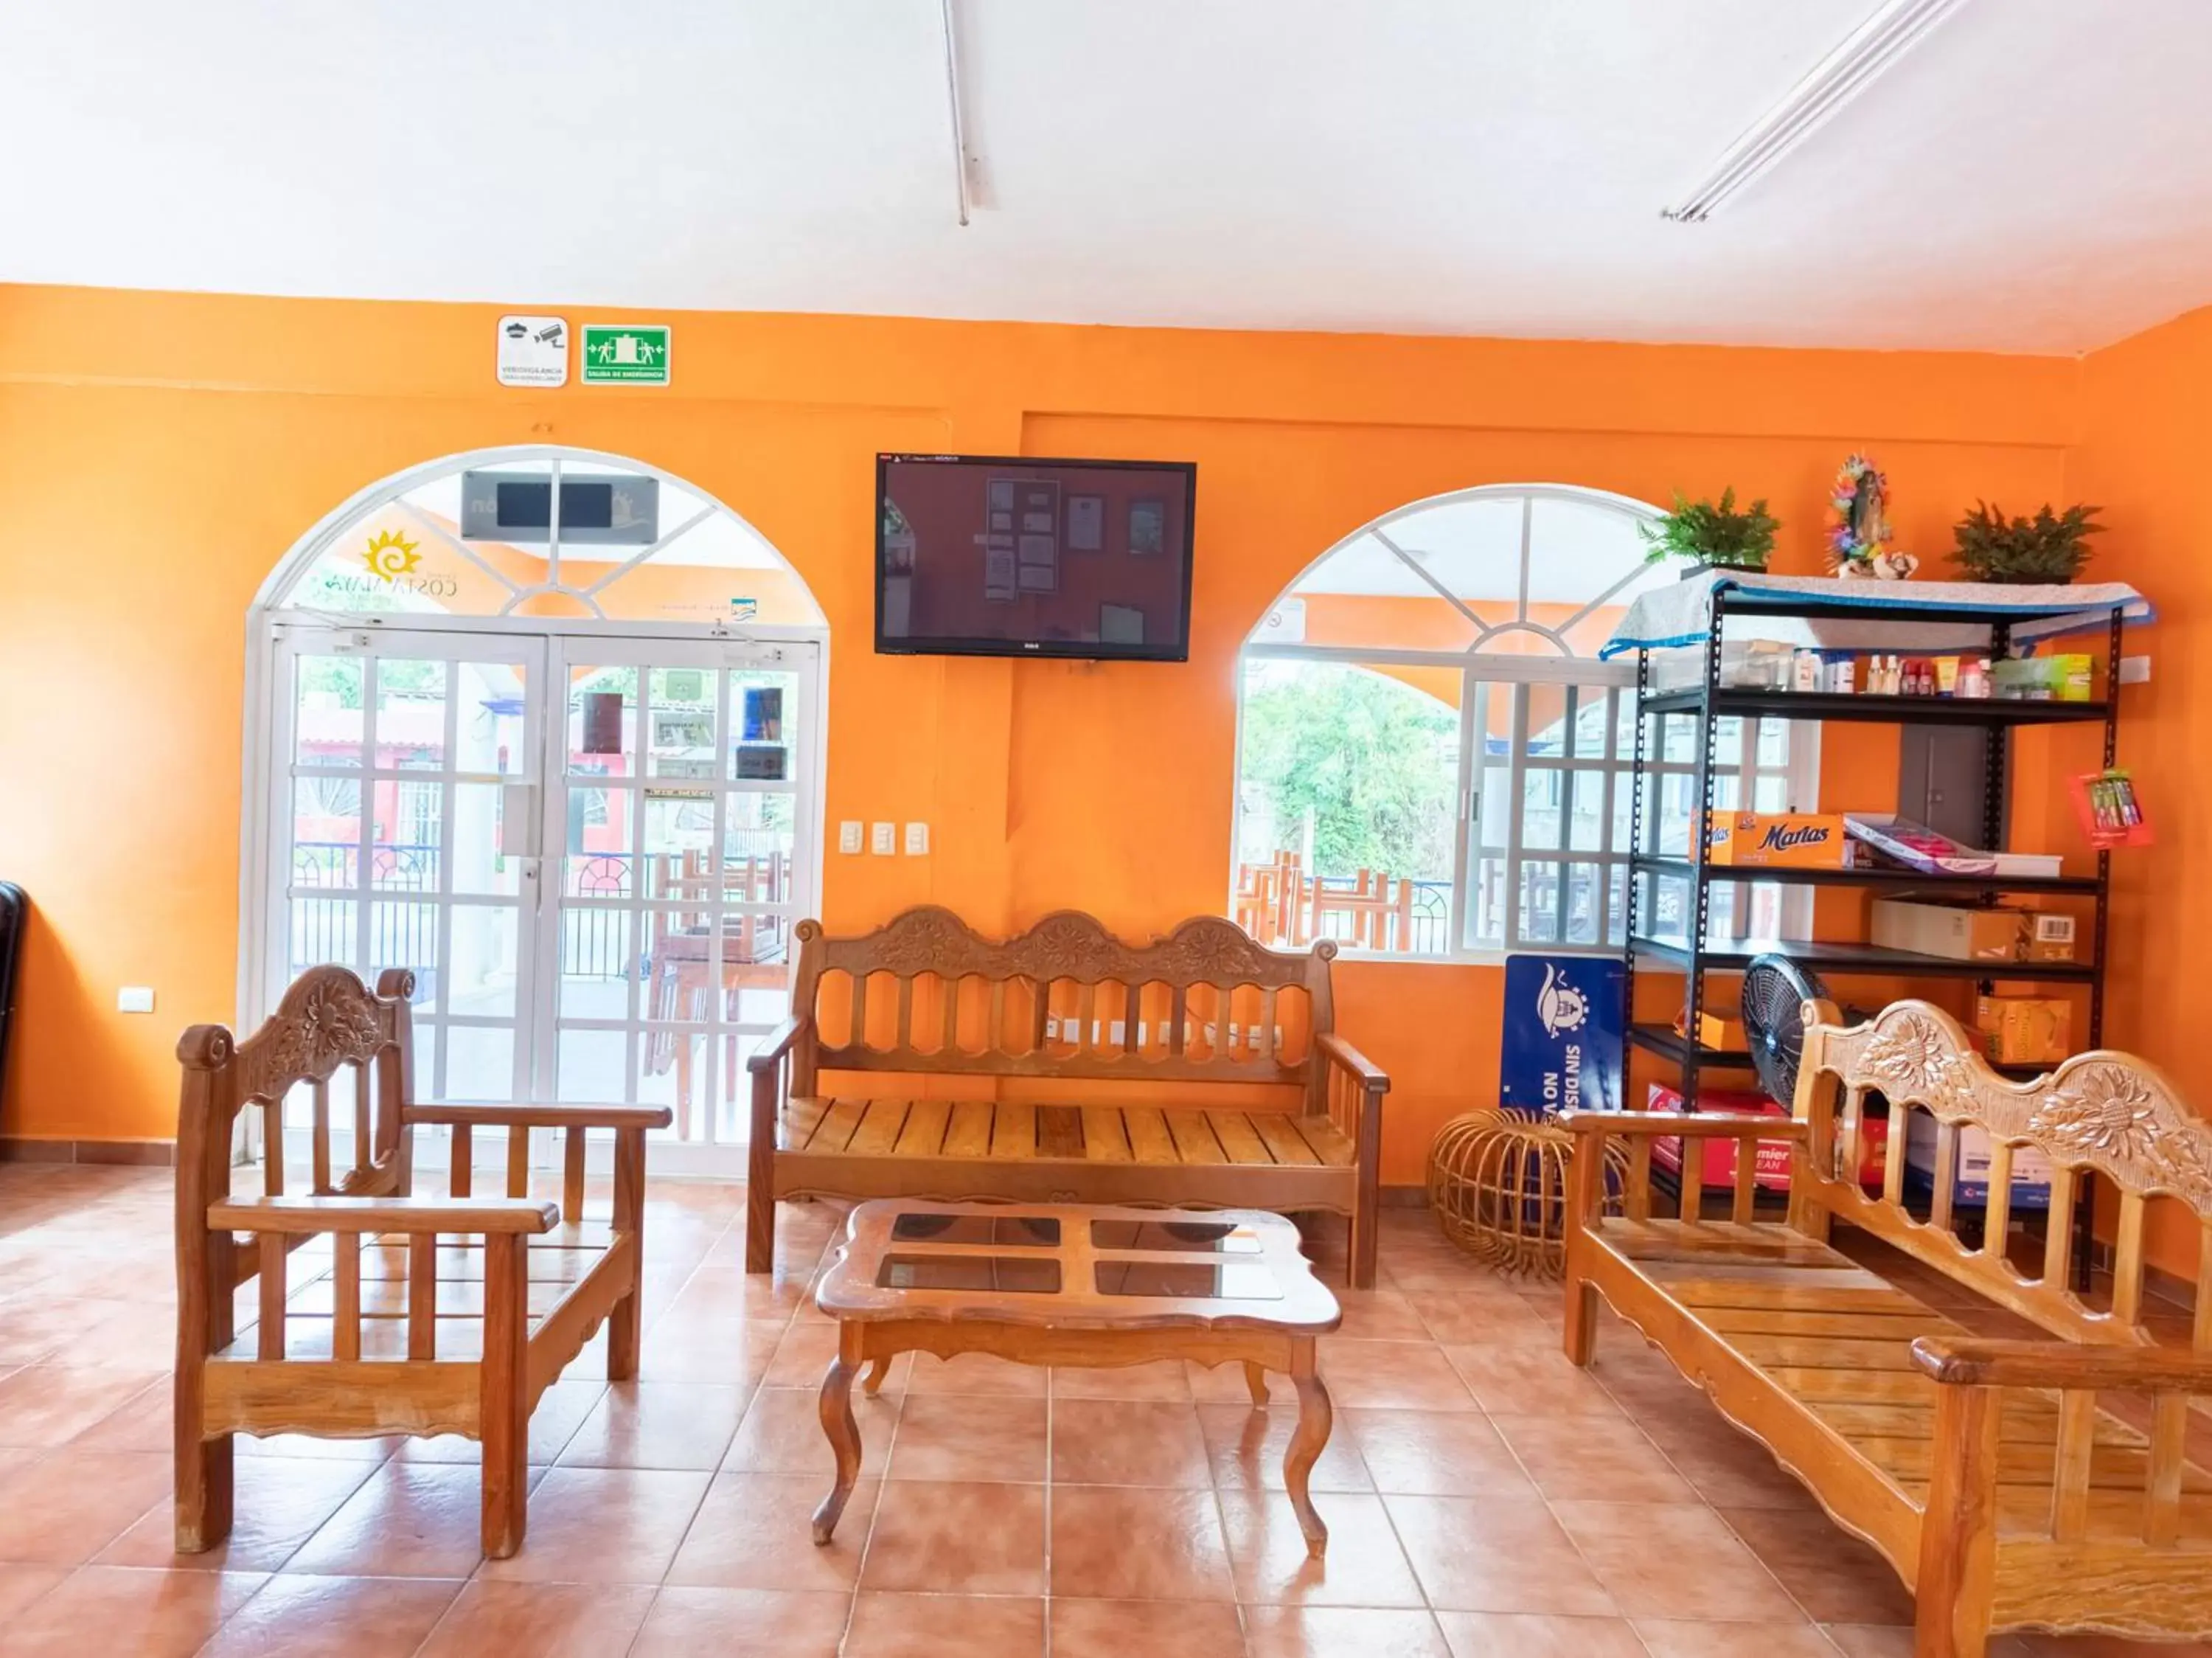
{"type": "Point", "coordinates": [1802, 840]}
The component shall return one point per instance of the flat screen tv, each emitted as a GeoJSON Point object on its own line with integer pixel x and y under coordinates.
{"type": "Point", "coordinates": [985, 556]}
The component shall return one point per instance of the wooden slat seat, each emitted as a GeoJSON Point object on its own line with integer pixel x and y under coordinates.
{"type": "Point", "coordinates": [2049, 1484]}
{"type": "Point", "coordinates": [1078, 1134]}
{"type": "Point", "coordinates": [1179, 1020]}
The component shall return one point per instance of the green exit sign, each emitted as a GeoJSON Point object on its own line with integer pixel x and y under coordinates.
{"type": "Point", "coordinates": [625, 354]}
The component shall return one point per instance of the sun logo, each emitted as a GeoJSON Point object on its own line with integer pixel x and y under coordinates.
{"type": "Point", "coordinates": [390, 554]}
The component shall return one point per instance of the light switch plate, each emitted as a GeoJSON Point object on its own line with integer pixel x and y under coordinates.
{"type": "Point", "coordinates": [917, 840]}
{"type": "Point", "coordinates": [883, 839]}
{"type": "Point", "coordinates": [2135, 670]}
{"type": "Point", "coordinates": [134, 998]}
{"type": "Point", "coordinates": [848, 835]}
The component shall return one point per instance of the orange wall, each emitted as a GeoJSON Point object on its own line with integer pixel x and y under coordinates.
{"type": "Point", "coordinates": [175, 446]}
{"type": "Point", "coordinates": [2146, 427]}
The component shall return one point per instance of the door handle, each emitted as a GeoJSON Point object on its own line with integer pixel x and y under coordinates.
{"type": "Point", "coordinates": [520, 831]}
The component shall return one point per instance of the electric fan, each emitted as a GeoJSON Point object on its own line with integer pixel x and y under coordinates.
{"type": "Point", "coordinates": [1775, 992]}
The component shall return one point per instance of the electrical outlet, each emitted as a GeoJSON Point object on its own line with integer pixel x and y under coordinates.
{"type": "Point", "coordinates": [917, 840]}
{"type": "Point", "coordinates": [883, 839]}
{"type": "Point", "coordinates": [134, 998]}
{"type": "Point", "coordinates": [2135, 670]}
{"type": "Point", "coordinates": [848, 835]}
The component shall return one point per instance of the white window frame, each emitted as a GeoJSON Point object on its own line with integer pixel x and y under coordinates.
{"type": "Point", "coordinates": [1479, 669]}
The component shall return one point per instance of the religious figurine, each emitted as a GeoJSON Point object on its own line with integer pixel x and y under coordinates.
{"type": "Point", "coordinates": [1858, 524]}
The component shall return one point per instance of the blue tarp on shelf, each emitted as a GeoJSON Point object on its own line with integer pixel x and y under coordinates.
{"type": "Point", "coordinates": [1682, 614]}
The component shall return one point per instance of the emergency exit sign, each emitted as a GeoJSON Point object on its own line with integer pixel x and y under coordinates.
{"type": "Point", "coordinates": [625, 354]}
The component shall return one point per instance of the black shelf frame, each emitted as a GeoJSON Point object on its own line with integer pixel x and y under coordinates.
{"type": "Point", "coordinates": [1707, 702]}
{"type": "Point", "coordinates": [1682, 868]}
{"type": "Point", "coordinates": [1850, 958]}
{"type": "Point", "coordinates": [1871, 710]}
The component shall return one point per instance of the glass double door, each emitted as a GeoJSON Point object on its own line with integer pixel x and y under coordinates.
{"type": "Point", "coordinates": [590, 850]}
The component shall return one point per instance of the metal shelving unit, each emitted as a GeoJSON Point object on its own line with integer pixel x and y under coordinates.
{"type": "Point", "coordinates": [1694, 954]}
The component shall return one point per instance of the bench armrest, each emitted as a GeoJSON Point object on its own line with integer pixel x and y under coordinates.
{"type": "Point", "coordinates": [2061, 1364]}
{"type": "Point", "coordinates": [770, 1053]}
{"type": "Point", "coordinates": [545, 1116]}
{"type": "Point", "coordinates": [1340, 1052]}
{"type": "Point", "coordinates": [409, 1215]}
{"type": "Point", "coordinates": [1698, 1124]}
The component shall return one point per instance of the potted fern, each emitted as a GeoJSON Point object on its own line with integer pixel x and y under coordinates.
{"type": "Point", "coordinates": [2049, 548]}
{"type": "Point", "coordinates": [1711, 536]}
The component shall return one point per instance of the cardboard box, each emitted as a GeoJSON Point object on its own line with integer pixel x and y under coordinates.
{"type": "Point", "coordinates": [1770, 1172]}
{"type": "Point", "coordinates": [1969, 932]}
{"type": "Point", "coordinates": [1970, 1179]}
{"type": "Point", "coordinates": [2024, 1030]}
{"type": "Point", "coordinates": [1803, 840]}
{"type": "Point", "coordinates": [1718, 1031]}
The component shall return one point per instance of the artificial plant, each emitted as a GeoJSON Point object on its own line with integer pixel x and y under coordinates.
{"type": "Point", "coordinates": [1718, 535]}
{"type": "Point", "coordinates": [2049, 547]}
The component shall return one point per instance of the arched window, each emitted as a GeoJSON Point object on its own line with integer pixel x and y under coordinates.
{"type": "Point", "coordinates": [543, 534]}
{"type": "Point", "coordinates": [1430, 759]}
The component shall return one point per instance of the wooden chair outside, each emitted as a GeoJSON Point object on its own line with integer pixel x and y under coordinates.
{"type": "Point", "coordinates": [1380, 913]}
{"type": "Point", "coordinates": [2045, 1484]}
{"type": "Point", "coordinates": [684, 971]}
{"type": "Point", "coordinates": [374, 1310]}
{"type": "Point", "coordinates": [1271, 901]}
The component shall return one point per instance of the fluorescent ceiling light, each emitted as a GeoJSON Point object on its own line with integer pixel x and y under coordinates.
{"type": "Point", "coordinates": [1895, 27]}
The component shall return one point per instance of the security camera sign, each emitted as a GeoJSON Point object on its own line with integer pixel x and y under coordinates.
{"type": "Point", "coordinates": [534, 351]}
{"type": "Point", "coordinates": [1559, 1049]}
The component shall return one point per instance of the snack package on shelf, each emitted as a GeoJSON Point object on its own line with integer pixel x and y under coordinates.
{"type": "Point", "coordinates": [2063, 677]}
{"type": "Point", "coordinates": [1805, 840]}
{"type": "Point", "coordinates": [2024, 1030]}
{"type": "Point", "coordinates": [2110, 812]}
{"type": "Point", "coordinates": [1916, 846]}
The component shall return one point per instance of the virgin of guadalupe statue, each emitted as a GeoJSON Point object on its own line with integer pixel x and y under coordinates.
{"type": "Point", "coordinates": [1859, 526]}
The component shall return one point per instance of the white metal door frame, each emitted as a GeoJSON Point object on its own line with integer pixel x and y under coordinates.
{"type": "Point", "coordinates": [802, 658]}
{"type": "Point", "coordinates": [267, 771]}
{"type": "Point", "coordinates": [295, 641]}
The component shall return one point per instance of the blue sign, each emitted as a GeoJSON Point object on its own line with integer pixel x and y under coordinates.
{"type": "Point", "coordinates": [1560, 1048]}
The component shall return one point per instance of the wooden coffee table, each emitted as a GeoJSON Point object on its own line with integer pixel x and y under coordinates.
{"type": "Point", "coordinates": [1078, 1284]}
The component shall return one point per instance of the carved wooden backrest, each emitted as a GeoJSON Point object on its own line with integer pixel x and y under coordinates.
{"type": "Point", "coordinates": [328, 1021]}
{"type": "Point", "coordinates": [927, 993]}
{"type": "Point", "coordinates": [2107, 1114]}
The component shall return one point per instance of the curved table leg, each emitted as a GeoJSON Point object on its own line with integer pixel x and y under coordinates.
{"type": "Point", "coordinates": [1315, 1416]}
{"type": "Point", "coordinates": [1255, 1378]}
{"type": "Point", "coordinates": [873, 1383]}
{"type": "Point", "coordinates": [837, 1422]}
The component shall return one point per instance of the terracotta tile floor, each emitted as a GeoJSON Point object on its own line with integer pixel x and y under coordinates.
{"type": "Point", "coordinates": [1487, 1500]}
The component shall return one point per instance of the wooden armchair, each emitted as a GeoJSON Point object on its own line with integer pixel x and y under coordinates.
{"type": "Point", "coordinates": [406, 1315]}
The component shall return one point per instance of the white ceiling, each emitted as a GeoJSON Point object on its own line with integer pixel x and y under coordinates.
{"type": "Point", "coordinates": [2035, 176]}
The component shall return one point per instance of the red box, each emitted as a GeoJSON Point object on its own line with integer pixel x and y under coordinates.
{"type": "Point", "coordinates": [1772, 1172]}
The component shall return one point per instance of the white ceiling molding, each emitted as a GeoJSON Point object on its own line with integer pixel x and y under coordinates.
{"type": "Point", "coordinates": [1894, 29]}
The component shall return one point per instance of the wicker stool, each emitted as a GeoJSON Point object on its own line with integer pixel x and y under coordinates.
{"type": "Point", "coordinates": [1499, 1183]}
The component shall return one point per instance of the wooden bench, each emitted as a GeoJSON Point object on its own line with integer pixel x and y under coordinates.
{"type": "Point", "coordinates": [1035, 1025]}
{"type": "Point", "coordinates": [2042, 1483]}
{"type": "Point", "coordinates": [374, 1310]}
